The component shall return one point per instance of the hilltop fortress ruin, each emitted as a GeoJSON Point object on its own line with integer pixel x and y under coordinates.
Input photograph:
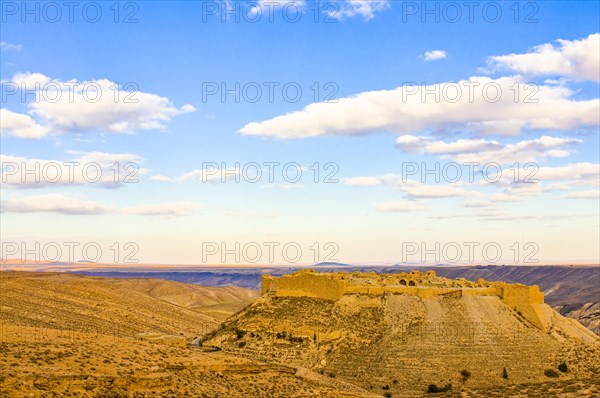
{"type": "Point", "coordinates": [526, 300]}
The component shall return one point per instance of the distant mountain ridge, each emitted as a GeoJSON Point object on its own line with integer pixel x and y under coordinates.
{"type": "Point", "coordinates": [332, 264]}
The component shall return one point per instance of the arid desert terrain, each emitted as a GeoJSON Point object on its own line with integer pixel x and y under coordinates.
{"type": "Point", "coordinates": [88, 336]}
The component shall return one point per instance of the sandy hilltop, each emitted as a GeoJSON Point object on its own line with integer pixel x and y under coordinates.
{"type": "Point", "coordinates": [305, 334]}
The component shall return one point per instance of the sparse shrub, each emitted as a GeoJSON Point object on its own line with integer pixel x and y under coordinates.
{"type": "Point", "coordinates": [241, 344]}
{"type": "Point", "coordinates": [386, 387]}
{"type": "Point", "coordinates": [504, 373]}
{"type": "Point", "coordinates": [387, 394]}
{"type": "Point", "coordinates": [563, 367]}
{"type": "Point", "coordinates": [240, 333]}
{"type": "Point", "coordinates": [395, 381]}
{"type": "Point", "coordinates": [551, 373]}
{"type": "Point", "coordinates": [465, 374]}
{"type": "Point", "coordinates": [433, 388]}
{"type": "Point", "coordinates": [331, 374]}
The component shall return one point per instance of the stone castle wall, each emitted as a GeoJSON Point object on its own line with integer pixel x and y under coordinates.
{"type": "Point", "coordinates": [527, 300]}
{"type": "Point", "coordinates": [304, 284]}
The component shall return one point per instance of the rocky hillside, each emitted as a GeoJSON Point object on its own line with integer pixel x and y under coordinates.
{"type": "Point", "coordinates": [587, 314]}
{"type": "Point", "coordinates": [572, 291]}
{"type": "Point", "coordinates": [96, 366]}
{"type": "Point", "coordinates": [67, 335]}
{"type": "Point", "coordinates": [405, 343]}
{"type": "Point", "coordinates": [115, 306]}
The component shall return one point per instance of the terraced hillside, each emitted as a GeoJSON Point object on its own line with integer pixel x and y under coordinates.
{"type": "Point", "coordinates": [572, 291]}
{"type": "Point", "coordinates": [405, 343]}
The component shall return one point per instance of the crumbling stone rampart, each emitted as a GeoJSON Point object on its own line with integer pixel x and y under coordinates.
{"type": "Point", "coordinates": [527, 300]}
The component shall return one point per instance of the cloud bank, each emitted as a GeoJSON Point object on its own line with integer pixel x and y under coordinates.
{"type": "Point", "coordinates": [81, 106]}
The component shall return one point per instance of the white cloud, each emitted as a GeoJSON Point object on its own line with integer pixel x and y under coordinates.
{"type": "Point", "coordinates": [265, 8]}
{"type": "Point", "coordinates": [502, 214]}
{"type": "Point", "coordinates": [363, 8]}
{"type": "Point", "coordinates": [574, 59]}
{"type": "Point", "coordinates": [61, 204]}
{"type": "Point", "coordinates": [550, 179]}
{"type": "Point", "coordinates": [434, 55]}
{"type": "Point", "coordinates": [212, 172]}
{"type": "Point", "coordinates": [175, 209]}
{"type": "Point", "coordinates": [99, 105]}
{"type": "Point", "coordinates": [107, 170]}
{"type": "Point", "coordinates": [52, 203]}
{"type": "Point", "coordinates": [583, 171]}
{"type": "Point", "coordinates": [487, 151]}
{"type": "Point", "coordinates": [106, 159]}
{"type": "Point", "coordinates": [478, 204]}
{"type": "Point", "coordinates": [560, 178]}
{"type": "Point", "coordinates": [336, 10]}
{"type": "Point", "coordinates": [539, 181]}
{"type": "Point", "coordinates": [4, 46]}
{"type": "Point", "coordinates": [29, 81]}
{"type": "Point", "coordinates": [524, 190]}
{"type": "Point", "coordinates": [420, 144]}
{"type": "Point", "coordinates": [466, 106]}
{"type": "Point", "coordinates": [414, 190]}
{"type": "Point", "coordinates": [362, 181]}
{"type": "Point", "coordinates": [417, 190]}
{"type": "Point", "coordinates": [400, 207]}
{"type": "Point", "coordinates": [21, 126]}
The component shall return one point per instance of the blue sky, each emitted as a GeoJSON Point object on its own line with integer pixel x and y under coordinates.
{"type": "Point", "coordinates": [176, 50]}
